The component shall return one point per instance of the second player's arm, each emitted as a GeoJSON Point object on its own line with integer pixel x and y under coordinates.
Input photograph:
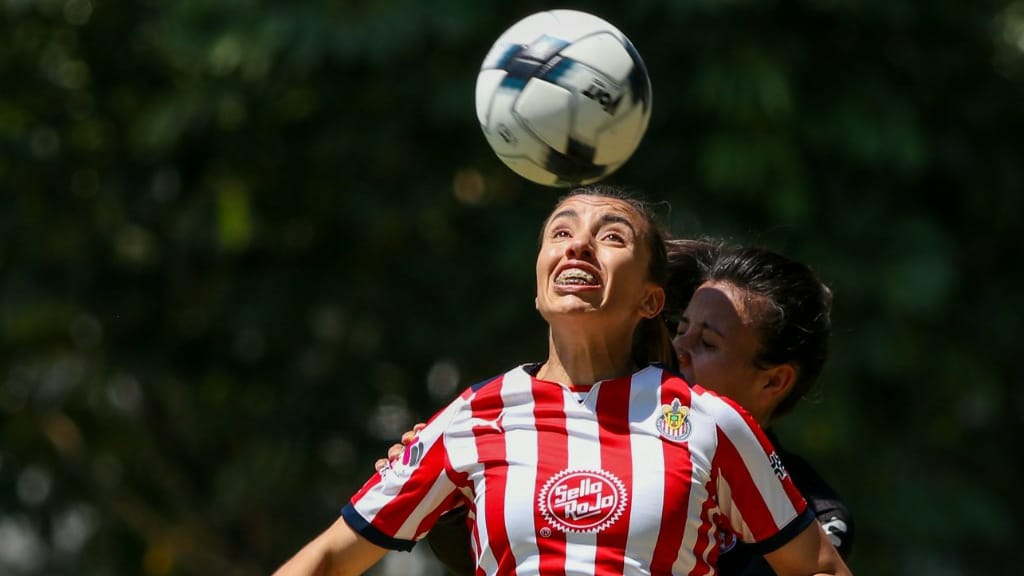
{"type": "Point", "coordinates": [810, 553]}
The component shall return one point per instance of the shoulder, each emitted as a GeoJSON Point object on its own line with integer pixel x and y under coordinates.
{"type": "Point", "coordinates": [806, 476]}
{"type": "Point", "coordinates": [723, 411]}
{"type": "Point", "coordinates": [493, 384]}
{"type": "Point", "coordinates": [729, 415]}
{"type": "Point", "coordinates": [827, 503]}
{"type": "Point", "coordinates": [490, 393]}
{"type": "Point", "coordinates": [812, 484]}
{"type": "Point", "coordinates": [658, 375]}
{"type": "Point", "coordinates": [461, 407]}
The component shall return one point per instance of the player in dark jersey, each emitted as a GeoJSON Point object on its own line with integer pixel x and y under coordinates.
{"type": "Point", "coordinates": [755, 325]}
{"type": "Point", "coordinates": [751, 324]}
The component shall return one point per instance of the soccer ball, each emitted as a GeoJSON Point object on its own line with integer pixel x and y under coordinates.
{"type": "Point", "coordinates": [563, 98]}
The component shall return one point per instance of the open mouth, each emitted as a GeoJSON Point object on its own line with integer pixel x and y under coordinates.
{"type": "Point", "coordinates": [575, 277]}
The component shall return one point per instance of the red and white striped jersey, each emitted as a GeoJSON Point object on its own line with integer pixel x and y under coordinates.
{"type": "Point", "coordinates": [639, 475]}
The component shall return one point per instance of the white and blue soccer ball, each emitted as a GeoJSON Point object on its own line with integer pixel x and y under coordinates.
{"type": "Point", "coordinates": [563, 98]}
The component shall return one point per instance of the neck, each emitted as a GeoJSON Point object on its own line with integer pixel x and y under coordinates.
{"type": "Point", "coordinates": [581, 356]}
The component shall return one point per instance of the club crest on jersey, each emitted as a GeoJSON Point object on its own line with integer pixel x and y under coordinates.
{"type": "Point", "coordinates": [582, 501]}
{"type": "Point", "coordinates": [674, 422]}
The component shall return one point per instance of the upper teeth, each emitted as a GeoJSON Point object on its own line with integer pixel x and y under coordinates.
{"type": "Point", "coordinates": [574, 276]}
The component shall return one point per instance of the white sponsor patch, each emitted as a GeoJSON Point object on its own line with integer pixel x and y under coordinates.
{"type": "Point", "coordinates": [582, 501]}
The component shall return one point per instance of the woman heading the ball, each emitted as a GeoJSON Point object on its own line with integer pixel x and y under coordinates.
{"type": "Point", "coordinates": [752, 325]}
{"type": "Point", "coordinates": [593, 461]}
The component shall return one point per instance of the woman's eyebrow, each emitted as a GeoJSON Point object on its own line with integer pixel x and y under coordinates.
{"type": "Point", "coordinates": [567, 213]}
{"type": "Point", "coordinates": [619, 219]}
{"type": "Point", "coordinates": [705, 326]}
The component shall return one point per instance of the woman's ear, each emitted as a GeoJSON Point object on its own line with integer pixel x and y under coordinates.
{"type": "Point", "coordinates": [779, 383]}
{"type": "Point", "coordinates": [652, 302]}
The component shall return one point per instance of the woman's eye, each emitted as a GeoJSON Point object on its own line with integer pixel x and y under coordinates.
{"type": "Point", "coordinates": [707, 344]}
{"type": "Point", "coordinates": [614, 237]}
{"type": "Point", "coordinates": [560, 234]}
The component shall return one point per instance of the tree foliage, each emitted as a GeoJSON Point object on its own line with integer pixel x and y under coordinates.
{"type": "Point", "coordinates": [243, 245]}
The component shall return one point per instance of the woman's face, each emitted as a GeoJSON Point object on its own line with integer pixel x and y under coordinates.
{"type": "Point", "coordinates": [594, 259]}
{"type": "Point", "coordinates": [717, 343]}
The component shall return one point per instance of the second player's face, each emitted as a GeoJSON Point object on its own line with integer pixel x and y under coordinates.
{"type": "Point", "coordinates": [717, 343]}
{"type": "Point", "coordinates": [593, 259]}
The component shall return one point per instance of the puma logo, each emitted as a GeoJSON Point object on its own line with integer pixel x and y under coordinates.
{"type": "Point", "coordinates": [492, 424]}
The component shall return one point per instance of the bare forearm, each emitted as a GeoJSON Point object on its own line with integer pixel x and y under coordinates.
{"type": "Point", "coordinates": [311, 560]}
{"type": "Point", "coordinates": [338, 551]}
{"type": "Point", "coordinates": [837, 569]}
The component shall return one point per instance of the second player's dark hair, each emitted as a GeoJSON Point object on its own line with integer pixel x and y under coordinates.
{"type": "Point", "coordinates": [688, 264]}
{"type": "Point", "coordinates": [795, 324]}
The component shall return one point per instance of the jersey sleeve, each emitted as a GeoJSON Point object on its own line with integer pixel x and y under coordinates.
{"type": "Point", "coordinates": [397, 506]}
{"type": "Point", "coordinates": [755, 492]}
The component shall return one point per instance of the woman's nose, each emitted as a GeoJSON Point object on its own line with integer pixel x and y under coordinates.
{"type": "Point", "coordinates": [581, 247]}
{"type": "Point", "coordinates": [682, 351]}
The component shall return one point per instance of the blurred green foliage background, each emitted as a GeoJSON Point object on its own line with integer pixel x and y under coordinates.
{"type": "Point", "coordinates": [244, 245]}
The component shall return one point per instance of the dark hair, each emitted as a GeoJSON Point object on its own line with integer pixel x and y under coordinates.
{"type": "Point", "coordinates": [652, 342]}
{"type": "Point", "coordinates": [688, 264]}
{"type": "Point", "coordinates": [795, 325]}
